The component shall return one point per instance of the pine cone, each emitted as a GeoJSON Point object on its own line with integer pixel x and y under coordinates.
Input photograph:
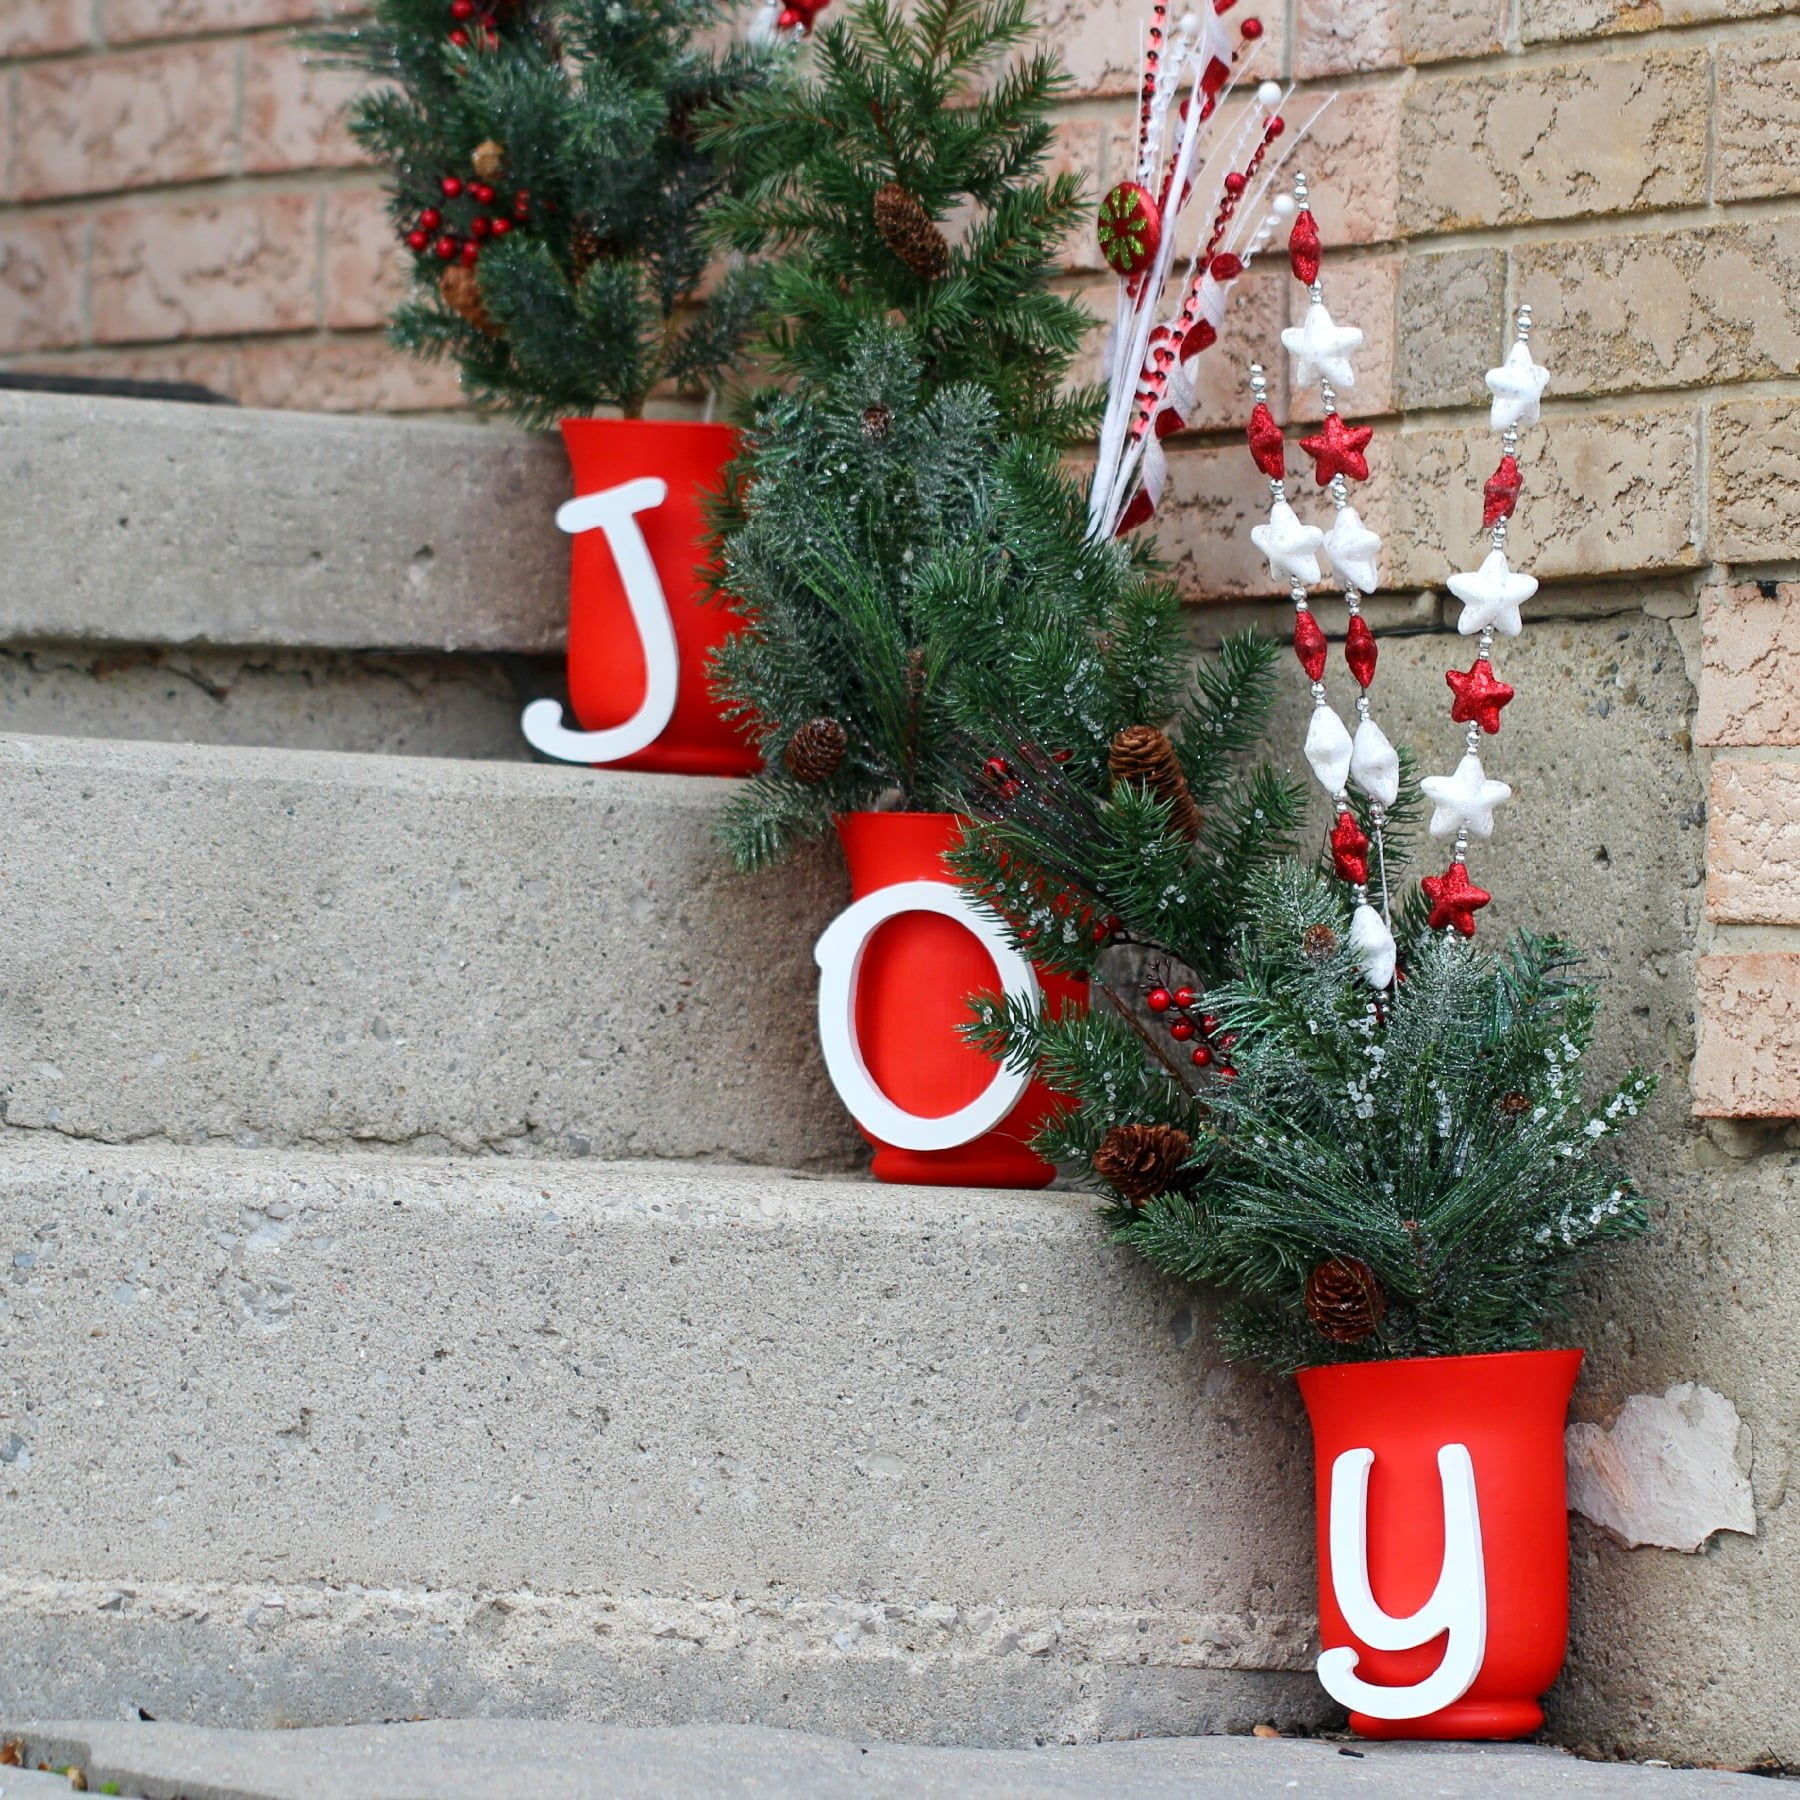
{"type": "Point", "coordinates": [1141, 1161]}
{"type": "Point", "coordinates": [586, 247]}
{"type": "Point", "coordinates": [489, 160]}
{"type": "Point", "coordinates": [816, 750]}
{"type": "Point", "coordinates": [459, 290]}
{"type": "Point", "coordinates": [877, 421]}
{"type": "Point", "coordinates": [1144, 755]}
{"type": "Point", "coordinates": [1318, 942]}
{"type": "Point", "coordinates": [907, 230]}
{"type": "Point", "coordinates": [1515, 1105]}
{"type": "Point", "coordinates": [1344, 1300]}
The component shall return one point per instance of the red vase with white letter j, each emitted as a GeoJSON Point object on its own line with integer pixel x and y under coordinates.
{"type": "Point", "coordinates": [641, 622]}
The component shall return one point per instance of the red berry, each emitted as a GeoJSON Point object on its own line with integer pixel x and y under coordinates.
{"type": "Point", "coordinates": [1275, 127]}
{"type": "Point", "coordinates": [462, 11]}
{"type": "Point", "coordinates": [996, 768]}
{"type": "Point", "coordinates": [1226, 1073]}
{"type": "Point", "coordinates": [500, 227]}
{"type": "Point", "coordinates": [480, 228]}
{"type": "Point", "coordinates": [1251, 29]}
{"type": "Point", "coordinates": [1202, 1056]}
{"type": "Point", "coordinates": [418, 240]}
{"type": "Point", "coordinates": [452, 186]}
{"type": "Point", "coordinates": [522, 197]}
{"type": "Point", "coordinates": [1209, 1023]}
{"type": "Point", "coordinates": [1182, 1030]}
{"type": "Point", "coordinates": [490, 36]}
{"type": "Point", "coordinates": [446, 247]}
{"type": "Point", "coordinates": [1226, 1042]}
{"type": "Point", "coordinates": [430, 219]}
{"type": "Point", "coordinates": [1010, 790]}
{"type": "Point", "coordinates": [1158, 999]}
{"type": "Point", "coordinates": [469, 254]}
{"type": "Point", "coordinates": [460, 38]}
{"type": "Point", "coordinates": [481, 193]}
{"type": "Point", "coordinates": [1185, 997]}
{"type": "Point", "coordinates": [1235, 183]}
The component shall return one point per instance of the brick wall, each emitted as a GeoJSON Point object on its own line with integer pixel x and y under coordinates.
{"type": "Point", "coordinates": [178, 198]}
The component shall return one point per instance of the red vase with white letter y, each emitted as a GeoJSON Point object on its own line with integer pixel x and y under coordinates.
{"type": "Point", "coordinates": [1443, 1539]}
{"type": "Point", "coordinates": [641, 623]}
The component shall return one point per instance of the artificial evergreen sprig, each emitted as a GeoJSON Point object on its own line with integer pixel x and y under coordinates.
{"type": "Point", "coordinates": [910, 117]}
{"type": "Point", "coordinates": [549, 179]}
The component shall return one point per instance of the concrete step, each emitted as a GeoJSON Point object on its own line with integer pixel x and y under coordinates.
{"type": "Point", "coordinates": [480, 1760]}
{"type": "Point", "coordinates": [316, 1439]}
{"type": "Point", "coordinates": [295, 948]}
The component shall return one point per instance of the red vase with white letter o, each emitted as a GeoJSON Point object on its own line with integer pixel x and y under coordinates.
{"type": "Point", "coordinates": [641, 623]}
{"type": "Point", "coordinates": [896, 971]}
{"type": "Point", "coordinates": [1443, 1539]}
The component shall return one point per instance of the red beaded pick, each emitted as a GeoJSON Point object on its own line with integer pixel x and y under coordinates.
{"type": "Point", "coordinates": [1135, 514]}
{"type": "Point", "coordinates": [1350, 850]}
{"type": "Point", "coordinates": [1215, 77]}
{"type": "Point", "coordinates": [1501, 493]}
{"type": "Point", "coordinates": [1202, 337]}
{"type": "Point", "coordinates": [1225, 266]}
{"type": "Point", "coordinates": [1480, 694]}
{"type": "Point", "coordinates": [1309, 645]}
{"type": "Point", "coordinates": [1359, 650]}
{"type": "Point", "coordinates": [1338, 450]}
{"type": "Point", "coordinates": [1168, 421]}
{"type": "Point", "coordinates": [1455, 899]}
{"type": "Point", "coordinates": [1268, 448]}
{"type": "Point", "coordinates": [1129, 228]}
{"type": "Point", "coordinates": [1304, 248]}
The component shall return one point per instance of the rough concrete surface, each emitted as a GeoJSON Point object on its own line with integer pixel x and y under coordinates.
{"type": "Point", "coordinates": [385, 705]}
{"type": "Point", "coordinates": [315, 1438]}
{"type": "Point", "coordinates": [318, 531]}
{"type": "Point", "coordinates": [439, 1760]}
{"type": "Point", "coordinates": [290, 947]}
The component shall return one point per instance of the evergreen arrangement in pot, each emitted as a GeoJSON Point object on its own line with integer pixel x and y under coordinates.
{"type": "Point", "coordinates": [1366, 1134]}
{"type": "Point", "coordinates": [551, 183]}
{"type": "Point", "coordinates": [909, 558]}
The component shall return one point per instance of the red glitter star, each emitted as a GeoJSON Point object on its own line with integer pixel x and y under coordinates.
{"type": "Point", "coordinates": [1500, 494]}
{"type": "Point", "coordinates": [1455, 899]}
{"type": "Point", "coordinates": [1350, 850]}
{"type": "Point", "coordinates": [1480, 694]}
{"type": "Point", "coordinates": [1338, 450]}
{"type": "Point", "coordinates": [1268, 449]}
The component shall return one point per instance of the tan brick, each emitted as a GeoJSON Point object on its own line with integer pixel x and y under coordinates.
{"type": "Point", "coordinates": [1345, 37]}
{"type": "Point", "coordinates": [1542, 20]}
{"type": "Point", "coordinates": [1098, 40]}
{"type": "Point", "coordinates": [1450, 313]}
{"type": "Point", "coordinates": [1749, 665]}
{"type": "Point", "coordinates": [1607, 494]}
{"type": "Point", "coordinates": [40, 281]}
{"type": "Point", "coordinates": [240, 265]}
{"type": "Point", "coordinates": [1513, 144]}
{"type": "Point", "coordinates": [41, 27]}
{"type": "Point", "coordinates": [1360, 293]}
{"type": "Point", "coordinates": [367, 268]}
{"type": "Point", "coordinates": [6, 138]}
{"type": "Point", "coordinates": [363, 374]}
{"type": "Point", "coordinates": [1753, 480]}
{"type": "Point", "coordinates": [1747, 1043]}
{"type": "Point", "coordinates": [1668, 308]}
{"type": "Point", "coordinates": [1758, 118]}
{"type": "Point", "coordinates": [1753, 843]}
{"type": "Point", "coordinates": [1079, 149]}
{"type": "Point", "coordinates": [126, 21]}
{"type": "Point", "coordinates": [294, 110]}
{"type": "Point", "coordinates": [1352, 159]}
{"type": "Point", "coordinates": [136, 120]}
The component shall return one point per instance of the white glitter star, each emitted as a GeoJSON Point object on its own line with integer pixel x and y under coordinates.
{"type": "Point", "coordinates": [1320, 348]}
{"type": "Point", "coordinates": [1516, 385]}
{"type": "Point", "coordinates": [1351, 546]}
{"type": "Point", "coordinates": [1464, 801]}
{"type": "Point", "coordinates": [1292, 548]}
{"type": "Point", "coordinates": [1492, 595]}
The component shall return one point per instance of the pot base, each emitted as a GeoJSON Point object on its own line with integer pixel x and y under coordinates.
{"type": "Point", "coordinates": [1496, 1720]}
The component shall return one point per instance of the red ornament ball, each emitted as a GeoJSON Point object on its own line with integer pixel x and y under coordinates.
{"type": "Point", "coordinates": [1275, 127]}
{"type": "Point", "coordinates": [1251, 30]}
{"type": "Point", "coordinates": [1182, 1030]}
{"type": "Point", "coordinates": [1129, 228]}
{"type": "Point", "coordinates": [1202, 1056]}
{"type": "Point", "coordinates": [500, 227]}
{"type": "Point", "coordinates": [1225, 266]}
{"type": "Point", "coordinates": [1159, 1000]}
{"type": "Point", "coordinates": [430, 219]}
{"type": "Point", "coordinates": [451, 186]}
{"type": "Point", "coordinates": [1185, 997]}
{"type": "Point", "coordinates": [481, 193]}
{"type": "Point", "coordinates": [418, 240]}
{"type": "Point", "coordinates": [446, 247]}
{"type": "Point", "coordinates": [1235, 184]}
{"type": "Point", "coordinates": [479, 228]}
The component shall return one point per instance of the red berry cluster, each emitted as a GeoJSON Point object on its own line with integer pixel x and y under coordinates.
{"type": "Point", "coordinates": [1178, 1008]}
{"type": "Point", "coordinates": [473, 25]}
{"type": "Point", "coordinates": [486, 216]}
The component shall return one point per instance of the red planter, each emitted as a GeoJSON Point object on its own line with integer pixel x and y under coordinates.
{"type": "Point", "coordinates": [906, 985]}
{"type": "Point", "coordinates": [630, 655]}
{"type": "Point", "coordinates": [1507, 1412]}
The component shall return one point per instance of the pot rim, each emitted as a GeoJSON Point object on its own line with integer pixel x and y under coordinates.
{"type": "Point", "coordinates": [1436, 1362]}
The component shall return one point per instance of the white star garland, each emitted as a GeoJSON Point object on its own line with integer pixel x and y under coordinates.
{"type": "Point", "coordinates": [1291, 547]}
{"type": "Point", "coordinates": [1492, 596]}
{"type": "Point", "coordinates": [1350, 548]}
{"type": "Point", "coordinates": [1516, 386]}
{"type": "Point", "coordinates": [1320, 347]}
{"type": "Point", "coordinates": [1465, 801]}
